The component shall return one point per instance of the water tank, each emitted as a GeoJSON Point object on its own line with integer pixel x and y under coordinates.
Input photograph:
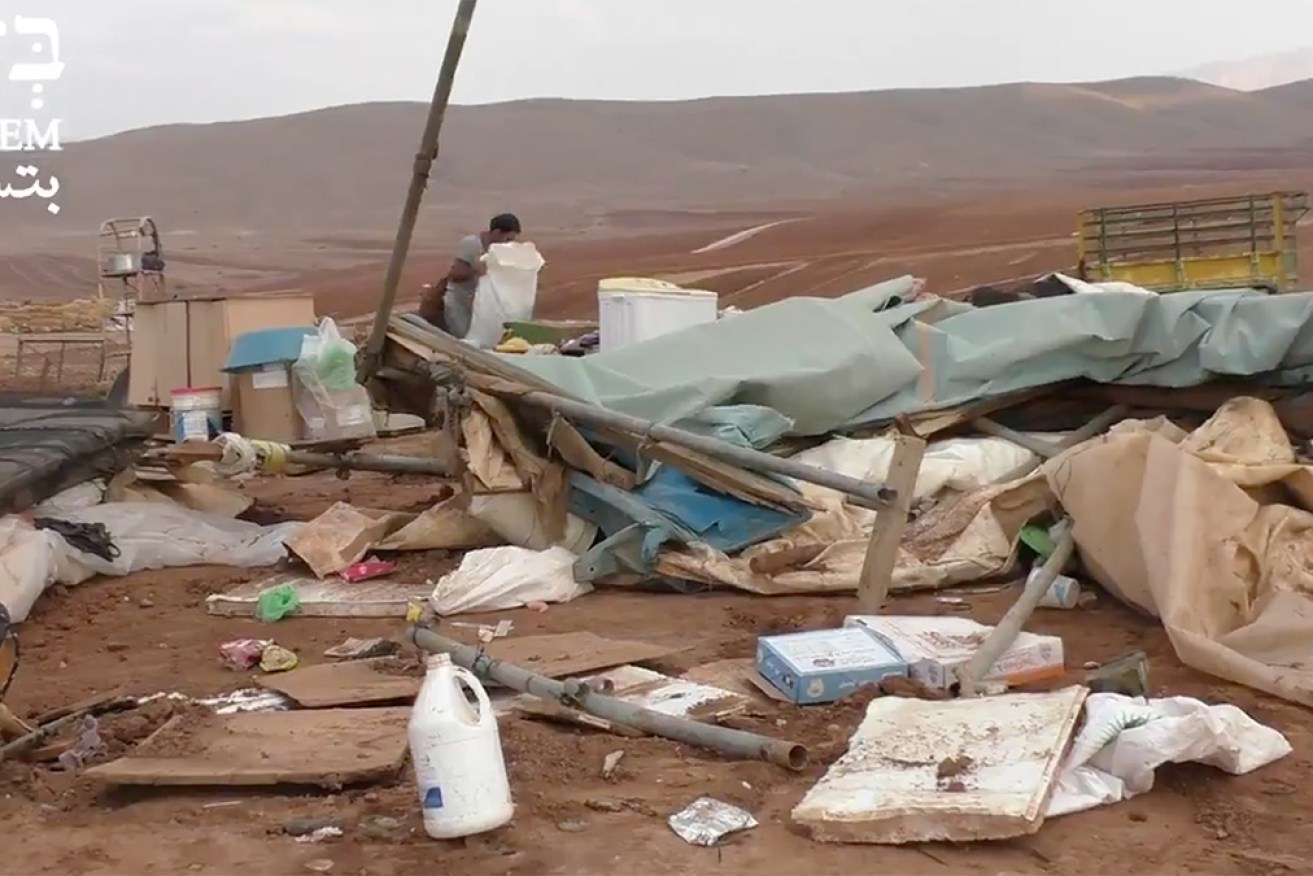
{"type": "Point", "coordinates": [631, 310]}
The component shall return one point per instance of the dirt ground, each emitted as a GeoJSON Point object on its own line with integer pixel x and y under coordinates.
{"type": "Point", "coordinates": [150, 633]}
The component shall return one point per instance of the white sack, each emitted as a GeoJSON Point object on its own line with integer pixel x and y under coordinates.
{"type": "Point", "coordinates": [494, 579]}
{"type": "Point", "coordinates": [1126, 738]}
{"type": "Point", "coordinates": [149, 535]}
{"type": "Point", "coordinates": [1080, 287]}
{"type": "Point", "coordinates": [959, 464]}
{"type": "Point", "coordinates": [506, 293]}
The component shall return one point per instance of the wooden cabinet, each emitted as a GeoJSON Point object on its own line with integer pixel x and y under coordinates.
{"type": "Point", "coordinates": [177, 344]}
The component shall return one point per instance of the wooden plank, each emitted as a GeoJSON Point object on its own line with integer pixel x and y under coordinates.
{"type": "Point", "coordinates": [329, 597]}
{"type": "Point", "coordinates": [328, 748]}
{"type": "Point", "coordinates": [352, 683]}
{"type": "Point", "coordinates": [566, 654]}
{"type": "Point", "coordinates": [362, 682]}
{"type": "Point", "coordinates": [882, 551]}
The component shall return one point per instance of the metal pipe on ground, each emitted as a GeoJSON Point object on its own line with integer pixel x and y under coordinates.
{"type": "Point", "coordinates": [875, 496]}
{"type": "Point", "coordinates": [576, 694]}
{"type": "Point", "coordinates": [1007, 630]}
{"type": "Point", "coordinates": [428, 153]}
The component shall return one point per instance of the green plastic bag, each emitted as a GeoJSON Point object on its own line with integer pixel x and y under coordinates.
{"type": "Point", "coordinates": [277, 603]}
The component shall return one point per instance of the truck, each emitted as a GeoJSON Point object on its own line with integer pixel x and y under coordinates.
{"type": "Point", "coordinates": [1246, 241]}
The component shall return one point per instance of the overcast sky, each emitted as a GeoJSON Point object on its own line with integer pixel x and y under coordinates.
{"type": "Point", "coordinates": [134, 63]}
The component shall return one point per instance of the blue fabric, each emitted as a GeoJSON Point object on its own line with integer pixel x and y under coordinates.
{"type": "Point", "coordinates": [276, 346]}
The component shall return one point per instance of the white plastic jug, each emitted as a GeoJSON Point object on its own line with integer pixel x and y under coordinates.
{"type": "Point", "coordinates": [459, 768]}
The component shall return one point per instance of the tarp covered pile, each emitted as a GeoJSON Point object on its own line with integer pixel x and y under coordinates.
{"type": "Point", "coordinates": [1181, 524]}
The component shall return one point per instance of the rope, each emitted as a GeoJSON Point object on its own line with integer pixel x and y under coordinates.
{"type": "Point", "coordinates": [242, 455]}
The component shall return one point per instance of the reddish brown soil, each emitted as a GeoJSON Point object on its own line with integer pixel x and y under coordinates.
{"type": "Point", "coordinates": [151, 633]}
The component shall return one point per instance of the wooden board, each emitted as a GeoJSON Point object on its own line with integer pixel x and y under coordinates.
{"type": "Point", "coordinates": [330, 597]}
{"type": "Point", "coordinates": [566, 654]}
{"type": "Point", "coordinates": [956, 771]}
{"type": "Point", "coordinates": [359, 682]}
{"type": "Point", "coordinates": [328, 748]}
{"type": "Point", "coordinates": [352, 683]}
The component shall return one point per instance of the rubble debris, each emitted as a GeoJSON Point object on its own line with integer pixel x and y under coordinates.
{"type": "Point", "coordinates": [1127, 675]}
{"type": "Point", "coordinates": [821, 666]}
{"type": "Point", "coordinates": [732, 743]}
{"type": "Point", "coordinates": [936, 648]}
{"type": "Point", "coordinates": [276, 658]}
{"type": "Point", "coordinates": [706, 821]}
{"type": "Point", "coordinates": [957, 771]}
{"type": "Point", "coordinates": [367, 682]}
{"type": "Point", "coordinates": [611, 763]}
{"type": "Point", "coordinates": [366, 570]}
{"type": "Point", "coordinates": [328, 748]}
{"type": "Point", "coordinates": [495, 579]}
{"type": "Point", "coordinates": [359, 649]}
{"type": "Point", "coordinates": [244, 653]}
{"type": "Point", "coordinates": [330, 597]}
{"type": "Point", "coordinates": [1125, 739]}
{"type": "Point", "coordinates": [277, 602]}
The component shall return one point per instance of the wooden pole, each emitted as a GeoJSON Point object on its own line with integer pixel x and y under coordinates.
{"type": "Point", "coordinates": [890, 524]}
{"type": "Point", "coordinates": [428, 153]}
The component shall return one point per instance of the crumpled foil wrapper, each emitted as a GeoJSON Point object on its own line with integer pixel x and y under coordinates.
{"type": "Point", "coordinates": [706, 821]}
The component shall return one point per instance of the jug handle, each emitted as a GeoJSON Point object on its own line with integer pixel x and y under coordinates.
{"type": "Point", "coordinates": [471, 681]}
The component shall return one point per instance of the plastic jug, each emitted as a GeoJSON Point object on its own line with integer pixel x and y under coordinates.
{"type": "Point", "coordinates": [456, 750]}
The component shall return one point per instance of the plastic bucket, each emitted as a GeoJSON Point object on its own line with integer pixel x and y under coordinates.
{"type": "Point", "coordinates": [196, 414]}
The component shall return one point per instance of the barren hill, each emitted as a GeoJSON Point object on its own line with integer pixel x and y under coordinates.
{"type": "Point", "coordinates": [1257, 73]}
{"type": "Point", "coordinates": [344, 169]}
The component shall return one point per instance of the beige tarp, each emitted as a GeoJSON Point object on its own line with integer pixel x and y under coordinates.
{"type": "Point", "coordinates": [962, 539]}
{"type": "Point", "coordinates": [1193, 529]}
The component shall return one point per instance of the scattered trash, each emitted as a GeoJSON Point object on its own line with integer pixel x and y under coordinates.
{"type": "Point", "coordinates": [1128, 676]}
{"type": "Point", "coordinates": [572, 826]}
{"type": "Point", "coordinates": [319, 865]}
{"type": "Point", "coordinates": [299, 827]}
{"type": "Point", "coordinates": [367, 569]}
{"type": "Point", "coordinates": [277, 603]}
{"type": "Point", "coordinates": [486, 633]}
{"type": "Point", "coordinates": [87, 745]}
{"type": "Point", "coordinates": [706, 821]}
{"type": "Point", "coordinates": [611, 762]}
{"type": "Point", "coordinates": [957, 770]}
{"type": "Point", "coordinates": [359, 649]}
{"type": "Point", "coordinates": [821, 666]}
{"type": "Point", "coordinates": [1125, 739]}
{"type": "Point", "coordinates": [935, 647]}
{"type": "Point", "coordinates": [277, 659]}
{"type": "Point", "coordinates": [495, 579]}
{"type": "Point", "coordinates": [457, 755]}
{"type": "Point", "coordinates": [244, 653]}
{"type": "Point", "coordinates": [1064, 592]}
{"type": "Point", "coordinates": [320, 834]}
{"type": "Point", "coordinates": [379, 827]}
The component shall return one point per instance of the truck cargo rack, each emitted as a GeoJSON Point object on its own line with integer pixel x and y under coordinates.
{"type": "Point", "coordinates": [1214, 243]}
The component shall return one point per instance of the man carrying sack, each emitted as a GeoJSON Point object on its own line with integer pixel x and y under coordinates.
{"type": "Point", "coordinates": [449, 303]}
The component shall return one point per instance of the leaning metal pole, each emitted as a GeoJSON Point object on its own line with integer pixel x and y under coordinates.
{"type": "Point", "coordinates": [576, 694]}
{"type": "Point", "coordinates": [428, 153]}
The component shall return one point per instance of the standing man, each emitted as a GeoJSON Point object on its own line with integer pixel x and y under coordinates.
{"type": "Point", "coordinates": [457, 291]}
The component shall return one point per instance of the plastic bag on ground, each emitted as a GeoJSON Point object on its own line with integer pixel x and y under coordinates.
{"type": "Point", "coordinates": [495, 579]}
{"type": "Point", "coordinates": [148, 535]}
{"type": "Point", "coordinates": [1125, 739]}
{"type": "Point", "coordinates": [506, 293]}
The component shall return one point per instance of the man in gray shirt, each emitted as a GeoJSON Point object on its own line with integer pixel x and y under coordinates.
{"type": "Point", "coordinates": [468, 267]}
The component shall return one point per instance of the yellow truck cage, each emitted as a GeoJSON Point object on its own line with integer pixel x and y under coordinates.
{"type": "Point", "coordinates": [1214, 243]}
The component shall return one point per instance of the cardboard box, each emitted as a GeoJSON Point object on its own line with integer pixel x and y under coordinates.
{"type": "Point", "coordinates": [821, 666]}
{"type": "Point", "coordinates": [177, 344]}
{"type": "Point", "coordinates": [265, 407]}
{"type": "Point", "coordinates": [935, 646]}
